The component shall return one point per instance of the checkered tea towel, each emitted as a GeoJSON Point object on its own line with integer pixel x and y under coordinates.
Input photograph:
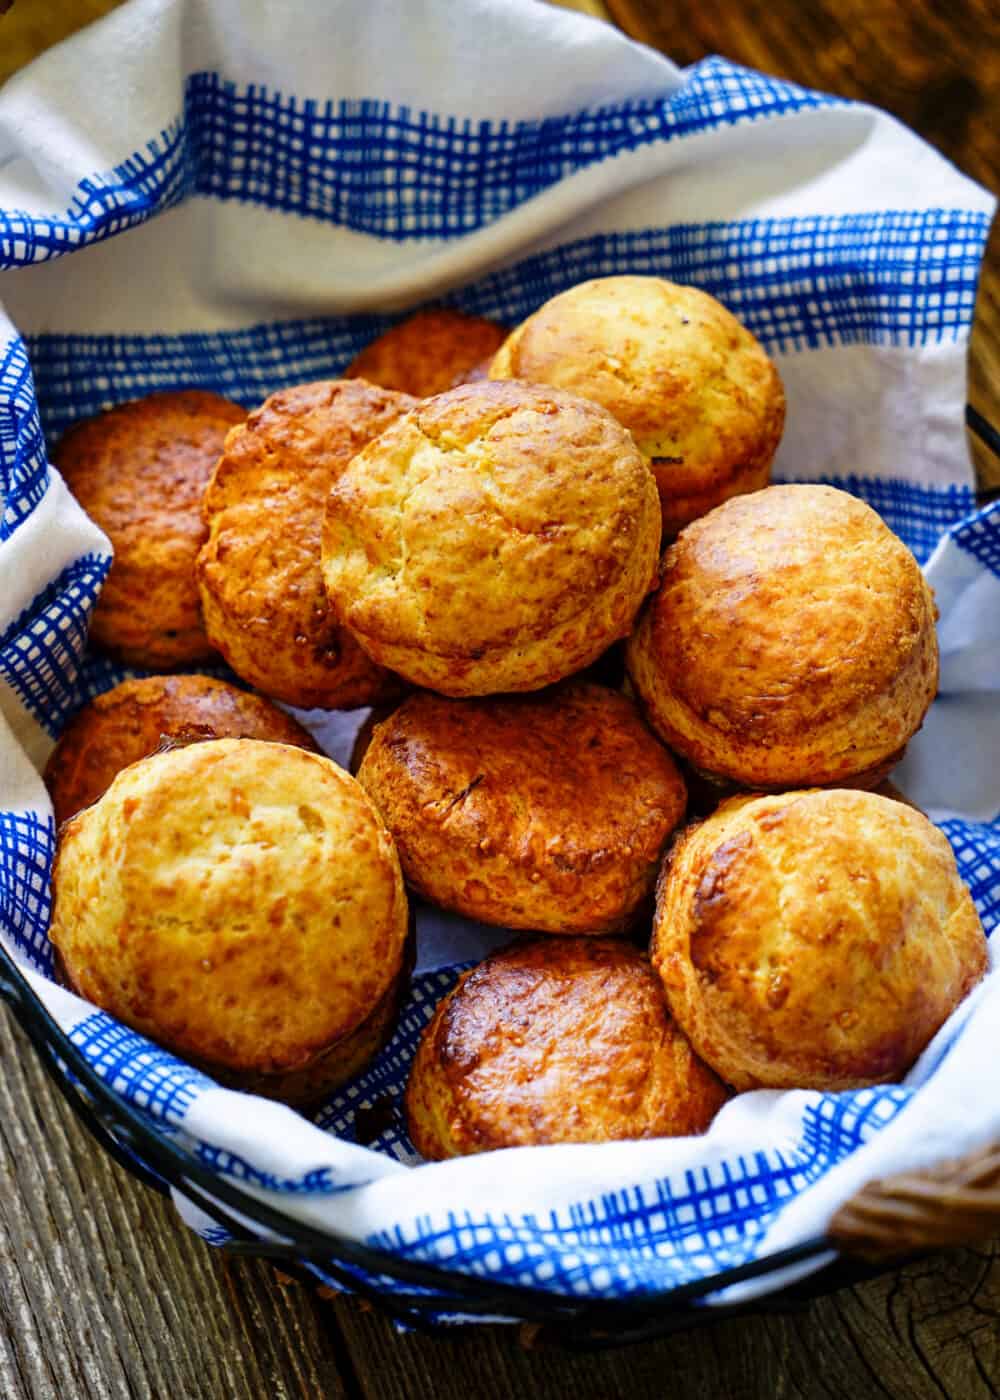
{"type": "Point", "coordinates": [238, 194]}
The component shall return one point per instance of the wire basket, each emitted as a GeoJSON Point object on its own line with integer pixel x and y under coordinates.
{"type": "Point", "coordinates": [954, 1203]}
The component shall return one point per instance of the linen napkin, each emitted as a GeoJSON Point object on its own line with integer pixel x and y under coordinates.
{"type": "Point", "coordinates": [239, 194]}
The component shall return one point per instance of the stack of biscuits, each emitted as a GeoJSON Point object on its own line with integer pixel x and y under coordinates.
{"type": "Point", "coordinates": [628, 700]}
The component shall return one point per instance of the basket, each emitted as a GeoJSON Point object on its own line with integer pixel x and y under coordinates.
{"type": "Point", "coordinates": [954, 1203]}
{"type": "Point", "coordinates": [549, 173]}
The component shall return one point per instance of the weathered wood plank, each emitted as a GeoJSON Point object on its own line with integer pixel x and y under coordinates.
{"type": "Point", "coordinates": [929, 1330]}
{"type": "Point", "coordinates": [104, 1295]}
{"type": "Point", "coordinates": [27, 29]}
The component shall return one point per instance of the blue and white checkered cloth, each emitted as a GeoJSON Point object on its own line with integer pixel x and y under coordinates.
{"type": "Point", "coordinates": [250, 190]}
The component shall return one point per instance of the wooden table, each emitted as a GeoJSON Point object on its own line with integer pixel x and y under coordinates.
{"type": "Point", "coordinates": [103, 1293]}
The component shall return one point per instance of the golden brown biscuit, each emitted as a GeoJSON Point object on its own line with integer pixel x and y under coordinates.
{"type": "Point", "coordinates": [696, 390]}
{"type": "Point", "coordinates": [238, 901]}
{"type": "Point", "coordinates": [139, 472]}
{"type": "Point", "coordinates": [328, 1071]}
{"type": "Point", "coordinates": [541, 812]}
{"type": "Point", "coordinates": [548, 1041]}
{"type": "Point", "coordinates": [259, 573]}
{"type": "Point", "coordinates": [497, 538]}
{"type": "Point", "coordinates": [814, 940]}
{"type": "Point", "coordinates": [342, 1062]}
{"type": "Point", "coordinates": [132, 721]}
{"type": "Point", "coordinates": [428, 352]}
{"type": "Point", "coordinates": [791, 642]}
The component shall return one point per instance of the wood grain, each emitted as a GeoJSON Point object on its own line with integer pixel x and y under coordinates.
{"type": "Point", "coordinates": [927, 1331]}
{"type": "Point", "coordinates": [31, 26]}
{"type": "Point", "coordinates": [104, 1294]}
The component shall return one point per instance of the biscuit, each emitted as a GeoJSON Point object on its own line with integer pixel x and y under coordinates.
{"type": "Point", "coordinates": [546, 812]}
{"type": "Point", "coordinates": [555, 1040]}
{"type": "Point", "coordinates": [814, 940]}
{"type": "Point", "coordinates": [342, 1062]}
{"type": "Point", "coordinates": [239, 902]}
{"type": "Point", "coordinates": [134, 719]}
{"type": "Point", "coordinates": [259, 572]}
{"type": "Point", "coordinates": [791, 642]}
{"type": "Point", "coordinates": [428, 352]}
{"type": "Point", "coordinates": [139, 471]}
{"type": "Point", "coordinates": [698, 393]}
{"type": "Point", "coordinates": [497, 538]}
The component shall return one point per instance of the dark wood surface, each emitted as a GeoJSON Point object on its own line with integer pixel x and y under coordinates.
{"type": "Point", "coordinates": [104, 1294]}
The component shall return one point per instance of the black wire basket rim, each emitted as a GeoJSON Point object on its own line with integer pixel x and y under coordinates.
{"type": "Point", "coordinates": [163, 1163]}
{"type": "Point", "coordinates": [175, 1166]}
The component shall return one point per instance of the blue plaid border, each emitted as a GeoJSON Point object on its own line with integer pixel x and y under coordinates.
{"type": "Point", "coordinates": [980, 537]}
{"type": "Point", "coordinates": [399, 173]}
{"type": "Point", "coordinates": [24, 472]}
{"type": "Point", "coordinates": [164, 1087]}
{"type": "Point", "coordinates": [104, 204]}
{"type": "Point", "coordinates": [888, 278]}
{"type": "Point", "coordinates": [977, 851]}
{"type": "Point", "coordinates": [631, 1241]}
{"type": "Point", "coordinates": [40, 652]}
{"type": "Point", "coordinates": [895, 277]}
{"type": "Point", "coordinates": [638, 1241]}
{"type": "Point", "coordinates": [145, 1075]}
{"type": "Point", "coordinates": [27, 849]}
{"type": "Point", "coordinates": [376, 167]}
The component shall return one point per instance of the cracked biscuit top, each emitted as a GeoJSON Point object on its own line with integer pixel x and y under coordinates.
{"type": "Point", "coordinates": [545, 812]}
{"type": "Point", "coordinates": [696, 390]}
{"type": "Point", "coordinates": [262, 592]}
{"type": "Point", "coordinates": [497, 538]}
{"type": "Point", "coordinates": [791, 642]}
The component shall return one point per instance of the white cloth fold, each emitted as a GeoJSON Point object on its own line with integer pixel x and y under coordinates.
{"type": "Point", "coordinates": [199, 192]}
